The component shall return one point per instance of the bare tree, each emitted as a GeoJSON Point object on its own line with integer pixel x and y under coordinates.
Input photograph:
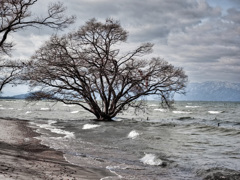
{"type": "Point", "coordinates": [87, 68]}
{"type": "Point", "coordinates": [16, 15]}
{"type": "Point", "coordinates": [9, 71]}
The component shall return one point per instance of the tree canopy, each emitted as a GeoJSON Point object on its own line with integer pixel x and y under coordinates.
{"type": "Point", "coordinates": [86, 67]}
{"type": "Point", "coordinates": [16, 15]}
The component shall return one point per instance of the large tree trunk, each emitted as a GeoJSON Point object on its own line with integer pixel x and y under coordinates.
{"type": "Point", "coordinates": [103, 117]}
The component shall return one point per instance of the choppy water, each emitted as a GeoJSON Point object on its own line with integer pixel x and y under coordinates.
{"type": "Point", "coordinates": [192, 141]}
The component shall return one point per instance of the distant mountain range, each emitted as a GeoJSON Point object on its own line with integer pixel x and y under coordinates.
{"type": "Point", "coordinates": [206, 91]}
{"type": "Point", "coordinates": [211, 91]}
{"type": "Point", "coordinates": [20, 96]}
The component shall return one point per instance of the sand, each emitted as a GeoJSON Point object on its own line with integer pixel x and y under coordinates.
{"type": "Point", "coordinates": [23, 157]}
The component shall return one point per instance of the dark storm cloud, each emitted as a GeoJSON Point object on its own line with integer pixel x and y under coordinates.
{"type": "Point", "coordinates": [201, 37]}
{"type": "Point", "coordinates": [210, 49]}
{"type": "Point", "coordinates": [233, 16]}
{"type": "Point", "coordinates": [149, 19]}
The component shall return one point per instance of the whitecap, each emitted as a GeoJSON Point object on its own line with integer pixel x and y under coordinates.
{"type": "Point", "coordinates": [74, 112]}
{"type": "Point", "coordinates": [192, 106]}
{"type": "Point", "coordinates": [111, 169]}
{"type": "Point", "coordinates": [50, 127]}
{"type": "Point", "coordinates": [151, 159]}
{"type": "Point", "coordinates": [44, 126]}
{"type": "Point", "coordinates": [67, 134]}
{"type": "Point", "coordinates": [153, 105]}
{"type": "Point", "coordinates": [181, 112]}
{"type": "Point", "coordinates": [90, 126]}
{"type": "Point", "coordinates": [52, 122]}
{"type": "Point", "coordinates": [133, 134]}
{"type": "Point", "coordinates": [45, 109]}
{"type": "Point", "coordinates": [26, 139]}
{"type": "Point", "coordinates": [117, 119]}
{"type": "Point", "coordinates": [28, 112]}
{"type": "Point", "coordinates": [2, 108]}
{"type": "Point", "coordinates": [214, 112]}
{"type": "Point", "coordinates": [69, 105]}
{"type": "Point", "coordinates": [161, 110]}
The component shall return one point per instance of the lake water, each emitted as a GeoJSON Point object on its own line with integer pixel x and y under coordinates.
{"type": "Point", "coordinates": [195, 140]}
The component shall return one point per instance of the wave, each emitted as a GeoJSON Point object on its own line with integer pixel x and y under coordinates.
{"type": "Point", "coordinates": [117, 119]}
{"type": "Point", "coordinates": [45, 109]}
{"type": "Point", "coordinates": [133, 134]}
{"type": "Point", "coordinates": [28, 112]}
{"type": "Point", "coordinates": [90, 126]}
{"type": "Point", "coordinates": [215, 112]}
{"type": "Point", "coordinates": [151, 159]}
{"type": "Point", "coordinates": [112, 170]}
{"type": "Point", "coordinates": [53, 129]}
{"type": "Point", "coordinates": [192, 106]}
{"type": "Point", "coordinates": [68, 134]}
{"type": "Point", "coordinates": [69, 105]}
{"type": "Point", "coordinates": [219, 173]}
{"type": "Point", "coordinates": [74, 112]}
{"type": "Point", "coordinates": [185, 118]}
{"type": "Point", "coordinates": [181, 112]}
{"type": "Point", "coordinates": [153, 105]}
{"type": "Point", "coordinates": [161, 110]}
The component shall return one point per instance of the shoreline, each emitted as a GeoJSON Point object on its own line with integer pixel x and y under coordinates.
{"type": "Point", "coordinates": [24, 157]}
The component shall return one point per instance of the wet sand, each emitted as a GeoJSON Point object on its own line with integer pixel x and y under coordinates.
{"type": "Point", "coordinates": [23, 157]}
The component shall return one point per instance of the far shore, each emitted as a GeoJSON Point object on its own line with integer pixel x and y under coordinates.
{"type": "Point", "coordinates": [23, 157]}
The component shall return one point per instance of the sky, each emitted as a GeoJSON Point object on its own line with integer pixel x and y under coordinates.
{"type": "Point", "coordinates": [202, 36]}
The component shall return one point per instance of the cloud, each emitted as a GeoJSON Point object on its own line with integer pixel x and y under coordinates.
{"type": "Point", "coordinates": [27, 44]}
{"type": "Point", "coordinates": [236, 3]}
{"type": "Point", "coordinates": [207, 51]}
{"type": "Point", "coordinates": [200, 36]}
{"type": "Point", "coordinates": [146, 19]}
{"type": "Point", "coordinates": [156, 19]}
{"type": "Point", "coordinates": [233, 16]}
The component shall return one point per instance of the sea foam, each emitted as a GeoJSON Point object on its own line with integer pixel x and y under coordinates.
{"type": "Point", "coordinates": [67, 134]}
{"type": "Point", "coordinates": [181, 112]}
{"type": "Point", "coordinates": [192, 106]}
{"type": "Point", "coordinates": [44, 109]}
{"type": "Point", "coordinates": [90, 126]}
{"type": "Point", "coordinates": [49, 126]}
{"type": "Point", "coordinates": [133, 134]}
{"type": "Point", "coordinates": [153, 105]}
{"type": "Point", "coordinates": [74, 112]}
{"type": "Point", "coordinates": [112, 170]}
{"type": "Point", "coordinates": [117, 119]}
{"type": "Point", "coordinates": [69, 105]}
{"type": "Point", "coordinates": [214, 112]}
{"type": "Point", "coordinates": [151, 159]}
{"type": "Point", "coordinates": [160, 110]}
